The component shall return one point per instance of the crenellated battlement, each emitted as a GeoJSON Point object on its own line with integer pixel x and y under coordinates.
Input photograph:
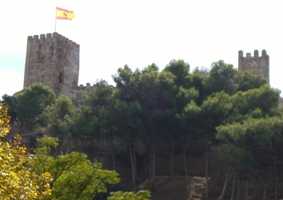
{"type": "Point", "coordinates": [53, 37]}
{"type": "Point", "coordinates": [83, 87]}
{"type": "Point", "coordinates": [258, 65]}
{"type": "Point", "coordinates": [256, 55]}
{"type": "Point", "coordinates": [77, 93]}
{"type": "Point", "coordinates": [53, 60]}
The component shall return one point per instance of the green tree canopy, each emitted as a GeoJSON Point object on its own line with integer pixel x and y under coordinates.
{"type": "Point", "coordinates": [58, 117]}
{"type": "Point", "coordinates": [26, 106]}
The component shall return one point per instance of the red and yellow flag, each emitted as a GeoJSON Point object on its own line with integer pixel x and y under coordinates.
{"type": "Point", "coordinates": [64, 14]}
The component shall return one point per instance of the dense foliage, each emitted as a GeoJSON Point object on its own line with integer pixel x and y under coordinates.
{"type": "Point", "coordinates": [42, 176]}
{"type": "Point", "coordinates": [17, 179]}
{"type": "Point", "coordinates": [232, 111]}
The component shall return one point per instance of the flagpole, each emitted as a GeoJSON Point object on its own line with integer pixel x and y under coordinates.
{"type": "Point", "coordinates": [55, 16]}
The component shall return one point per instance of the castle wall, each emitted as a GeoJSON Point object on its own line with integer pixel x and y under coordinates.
{"type": "Point", "coordinates": [53, 60]}
{"type": "Point", "coordinates": [258, 65]}
{"type": "Point", "coordinates": [77, 94]}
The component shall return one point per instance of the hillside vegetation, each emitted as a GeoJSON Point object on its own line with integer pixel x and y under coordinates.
{"type": "Point", "coordinates": [153, 116]}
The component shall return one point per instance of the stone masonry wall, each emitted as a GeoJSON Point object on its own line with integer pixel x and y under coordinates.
{"type": "Point", "coordinates": [258, 65]}
{"type": "Point", "coordinates": [53, 60]}
{"type": "Point", "coordinates": [77, 94]}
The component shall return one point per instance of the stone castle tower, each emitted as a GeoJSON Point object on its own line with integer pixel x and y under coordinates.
{"type": "Point", "coordinates": [258, 65]}
{"type": "Point", "coordinates": [53, 60]}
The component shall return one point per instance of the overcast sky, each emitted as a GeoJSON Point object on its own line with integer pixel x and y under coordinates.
{"type": "Point", "coordinates": [112, 33]}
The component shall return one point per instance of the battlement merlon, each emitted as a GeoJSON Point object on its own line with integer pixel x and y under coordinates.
{"type": "Point", "coordinates": [82, 87]}
{"type": "Point", "coordinates": [55, 36]}
{"type": "Point", "coordinates": [256, 55]}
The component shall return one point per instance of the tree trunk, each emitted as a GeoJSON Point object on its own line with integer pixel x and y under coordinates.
{"type": "Point", "coordinates": [153, 168]}
{"type": "Point", "coordinates": [132, 166]}
{"type": "Point", "coordinates": [225, 184]}
{"type": "Point", "coordinates": [135, 162]}
{"type": "Point", "coordinates": [206, 171]}
{"type": "Point", "coordinates": [113, 154]}
{"type": "Point", "coordinates": [100, 148]}
{"type": "Point", "coordinates": [247, 191]}
{"type": "Point", "coordinates": [185, 162]}
{"type": "Point", "coordinates": [276, 186]}
{"type": "Point", "coordinates": [265, 191]}
{"type": "Point", "coordinates": [233, 188]}
{"type": "Point", "coordinates": [172, 152]}
{"type": "Point", "coordinates": [218, 171]}
{"type": "Point", "coordinates": [255, 190]}
{"type": "Point", "coordinates": [146, 155]}
{"type": "Point", "coordinates": [238, 186]}
{"type": "Point", "coordinates": [150, 162]}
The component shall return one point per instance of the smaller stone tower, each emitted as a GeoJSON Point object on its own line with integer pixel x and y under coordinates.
{"type": "Point", "coordinates": [258, 65]}
{"type": "Point", "coordinates": [53, 60]}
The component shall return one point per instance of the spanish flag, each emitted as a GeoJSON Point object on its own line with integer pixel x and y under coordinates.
{"type": "Point", "coordinates": [64, 14]}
